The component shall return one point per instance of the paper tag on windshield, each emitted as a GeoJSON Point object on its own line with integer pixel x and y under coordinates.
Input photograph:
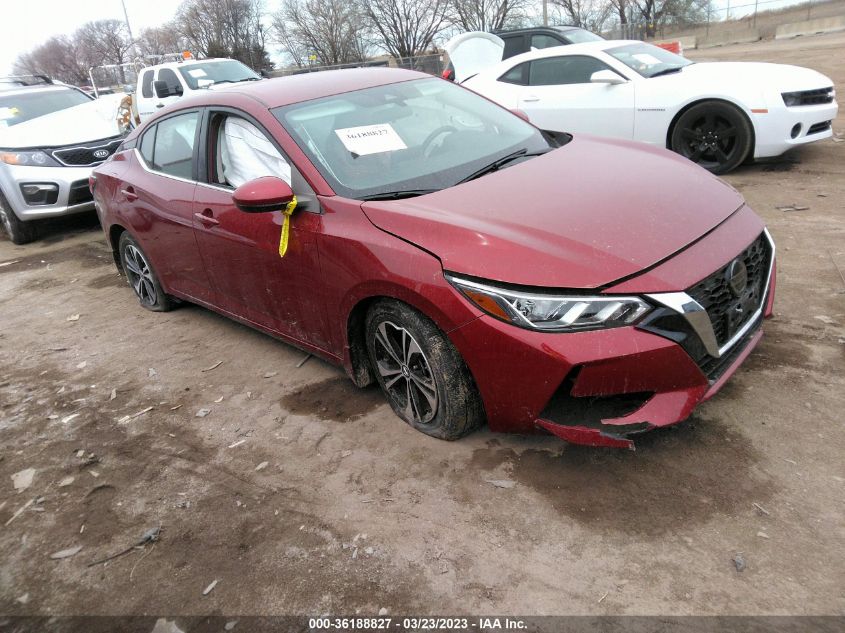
{"type": "Point", "coordinates": [645, 58]}
{"type": "Point", "coordinates": [8, 113]}
{"type": "Point", "coordinates": [196, 72]}
{"type": "Point", "coordinates": [370, 139]}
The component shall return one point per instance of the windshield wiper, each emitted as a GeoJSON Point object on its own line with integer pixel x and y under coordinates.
{"type": "Point", "coordinates": [397, 195]}
{"type": "Point", "coordinates": [666, 71]}
{"type": "Point", "coordinates": [504, 160]}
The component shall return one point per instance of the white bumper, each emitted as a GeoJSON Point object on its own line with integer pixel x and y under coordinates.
{"type": "Point", "coordinates": [782, 128]}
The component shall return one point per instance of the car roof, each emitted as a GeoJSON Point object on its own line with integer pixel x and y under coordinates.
{"type": "Point", "coordinates": [282, 91]}
{"type": "Point", "coordinates": [560, 28]}
{"type": "Point", "coordinates": [187, 62]}
{"type": "Point", "coordinates": [10, 88]}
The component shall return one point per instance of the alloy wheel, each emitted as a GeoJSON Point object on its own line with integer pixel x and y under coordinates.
{"type": "Point", "coordinates": [710, 140]}
{"type": "Point", "coordinates": [4, 218]}
{"type": "Point", "coordinates": [405, 372]}
{"type": "Point", "coordinates": [140, 275]}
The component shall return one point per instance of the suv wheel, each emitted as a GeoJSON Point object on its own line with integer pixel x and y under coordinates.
{"type": "Point", "coordinates": [19, 232]}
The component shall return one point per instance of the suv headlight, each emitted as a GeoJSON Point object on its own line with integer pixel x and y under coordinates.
{"type": "Point", "coordinates": [552, 312]}
{"type": "Point", "coordinates": [29, 158]}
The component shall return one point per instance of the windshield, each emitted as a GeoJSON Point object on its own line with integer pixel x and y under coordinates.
{"type": "Point", "coordinates": [17, 108]}
{"type": "Point", "coordinates": [208, 73]}
{"type": "Point", "coordinates": [579, 36]}
{"type": "Point", "coordinates": [648, 60]}
{"type": "Point", "coordinates": [417, 136]}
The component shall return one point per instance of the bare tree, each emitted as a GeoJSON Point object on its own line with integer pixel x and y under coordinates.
{"type": "Point", "coordinates": [57, 58]}
{"type": "Point", "coordinates": [655, 13]}
{"type": "Point", "coordinates": [331, 30]}
{"type": "Point", "coordinates": [225, 28]}
{"type": "Point", "coordinates": [486, 15]}
{"type": "Point", "coordinates": [104, 42]}
{"type": "Point", "coordinates": [405, 28]}
{"type": "Point", "coordinates": [588, 14]}
{"type": "Point", "coordinates": [159, 40]}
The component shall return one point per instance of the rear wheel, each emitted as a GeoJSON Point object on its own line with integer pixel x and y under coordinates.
{"type": "Point", "coordinates": [141, 276]}
{"type": "Point", "coordinates": [421, 373]}
{"type": "Point", "coordinates": [713, 134]}
{"type": "Point", "coordinates": [19, 232]}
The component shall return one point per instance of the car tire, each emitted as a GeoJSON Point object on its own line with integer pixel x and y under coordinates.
{"type": "Point", "coordinates": [19, 232]}
{"type": "Point", "coordinates": [422, 375]}
{"type": "Point", "coordinates": [714, 134]}
{"type": "Point", "coordinates": [141, 276]}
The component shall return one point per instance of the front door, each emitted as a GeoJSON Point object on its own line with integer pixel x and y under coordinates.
{"type": "Point", "coordinates": [241, 250]}
{"type": "Point", "coordinates": [560, 97]}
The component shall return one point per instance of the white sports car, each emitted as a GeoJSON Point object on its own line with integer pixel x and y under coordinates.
{"type": "Point", "coordinates": [717, 114]}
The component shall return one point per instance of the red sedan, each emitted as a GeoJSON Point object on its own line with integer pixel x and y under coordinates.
{"type": "Point", "coordinates": [423, 237]}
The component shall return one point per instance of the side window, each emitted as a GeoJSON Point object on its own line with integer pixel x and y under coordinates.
{"type": "Point", "coordinates": [544, 41]}
{"type": "Point", "coordinates": [147, 142]}
{"type": "Point", "coordinates": [174, 145]}
{"type": "Point", "coordinates": [174, 88]}
{"type": "Point", "coordinates": [147, 84]}
{"type": "Point", "coordinates": [245, 153]}
{"type": "Point", "coordinates": [513, 46]}
{"type": "Point", "coordinates": [556, 71]}
{"type": "Point", "coordinates": [515, 75]}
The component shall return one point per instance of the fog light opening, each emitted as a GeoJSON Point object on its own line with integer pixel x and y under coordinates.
{"type": "Point", "coordinates": [796, 130]}
{"type": "Point", "coordinates": [40, 193]}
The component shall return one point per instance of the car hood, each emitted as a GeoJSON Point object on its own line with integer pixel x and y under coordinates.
{"type": "Point", "coordinates": [90, 121]}
{"type": "Point", "coordinates": [582, 216]}
{"type": "Point", "coordinates": [782, 77]}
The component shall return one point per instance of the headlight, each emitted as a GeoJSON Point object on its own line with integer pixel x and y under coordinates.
{"type": "Point", "coordinates": [791, 99]}
{"type": "Point", "coordinates": [551, 312]}
{"type": "Point", "coordinates": [29, 158]}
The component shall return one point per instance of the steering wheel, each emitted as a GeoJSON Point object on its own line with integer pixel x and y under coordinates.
{"type": "Point", "coordinates": [443, 129]}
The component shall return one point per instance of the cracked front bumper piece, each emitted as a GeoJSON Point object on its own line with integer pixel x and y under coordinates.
{"type": "Point", "coordinates": [603, 387]}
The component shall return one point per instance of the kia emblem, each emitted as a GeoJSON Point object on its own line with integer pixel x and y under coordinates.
{"type": "Point", "coordinates": [101, 153]}
{"type": "Point", "coordinates": [737, 277]}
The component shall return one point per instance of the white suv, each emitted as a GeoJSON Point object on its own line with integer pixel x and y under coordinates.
{"type": "Point", "coordinates": [163, 84]}
{"type": "Point", "coordinates": [51, 136]}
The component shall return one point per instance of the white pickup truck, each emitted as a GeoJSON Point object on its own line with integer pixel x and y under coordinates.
{"type": "Point", "coordinates": [163, 84]}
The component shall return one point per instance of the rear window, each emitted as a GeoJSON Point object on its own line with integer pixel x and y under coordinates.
{"type": "Point", "coordinates": [579, 36]}
{"type": "Point", "coordinates": [17, 108]}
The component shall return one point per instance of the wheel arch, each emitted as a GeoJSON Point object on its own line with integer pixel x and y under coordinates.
{"type": "Point", "coordinates": [699, 101]}
{"type": "Point", "coordinates": [115, 231]}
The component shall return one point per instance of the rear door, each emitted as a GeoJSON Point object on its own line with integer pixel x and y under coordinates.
{"type": "Point", "coordinates": [157, 197]}
{"type": "Point", "coordinates": [241, 250]}
{"type": "Point", "coordinates": [559, 96]}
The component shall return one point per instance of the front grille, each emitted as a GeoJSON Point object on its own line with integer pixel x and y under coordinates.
{"type": "Point", "coordinates": [728, 312]}
{"type": "Point", "coordinates": [824, 126]}
{"type": "Point", "coordinates": [86, 156]}
{"type": "Point", "coordinates": [79, 193]}
{"type": "Point", "coordinates": [808, 97]}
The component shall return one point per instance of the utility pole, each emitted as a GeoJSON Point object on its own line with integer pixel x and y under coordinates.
{"type": "Point", "coordinates": [545, 12]}
{"type": "Point", "coordinates": [129, 28]}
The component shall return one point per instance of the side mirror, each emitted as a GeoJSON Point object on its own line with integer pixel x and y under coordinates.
{"type": "Point", "coordinates": [520, 114]}
{"type": "Point", "coordinates": [606, 77]}
{"type": "Point", "coordinates": [163, 91]}
{"type": "Point", "coordinates": [264, 194]}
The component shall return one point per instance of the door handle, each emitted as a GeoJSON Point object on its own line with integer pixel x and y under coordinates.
{"type": "Point", "coordinates": [531, 98]}
{"type": "Point", "coordinates": [129, 194]}
{"type": "Point", "coordinates": [207, 218]}
{"type": "Point", "coordinates": [159, 105]}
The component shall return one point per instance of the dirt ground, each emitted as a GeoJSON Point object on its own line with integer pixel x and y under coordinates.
{"type": "Point", "coordinates": [299, 494]}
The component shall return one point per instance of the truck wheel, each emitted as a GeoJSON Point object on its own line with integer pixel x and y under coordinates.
{"type": "Point", "coordinates": [19, 232]}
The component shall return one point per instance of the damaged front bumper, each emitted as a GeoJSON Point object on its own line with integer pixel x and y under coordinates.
{"type": "Point", "coordinates": [601, 388]}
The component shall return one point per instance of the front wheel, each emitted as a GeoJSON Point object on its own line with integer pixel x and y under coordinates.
{"type": "Point", "coordinates": [421, 373]}
{"type": "Point", "coordinates": [713, 134]}
{"type": "Point", "coordinates": [19, 232]}
{"type": "Point", "coordinates": [141, 276]}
